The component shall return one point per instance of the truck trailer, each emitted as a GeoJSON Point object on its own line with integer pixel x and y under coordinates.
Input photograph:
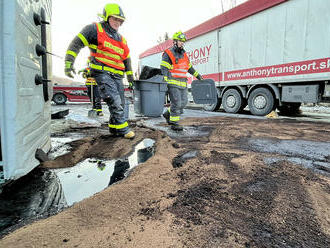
{"type": "Point", "coordinates": [266, 54]}
{"type": "Point", "coordinates": [25, 90]}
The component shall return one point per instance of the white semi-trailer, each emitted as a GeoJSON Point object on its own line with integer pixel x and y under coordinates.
{"type": "Point", "coordinates": [25, 92]}
{"type": "Point", "coordinates": [266, 54]}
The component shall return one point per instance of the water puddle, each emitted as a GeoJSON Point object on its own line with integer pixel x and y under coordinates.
{"type": "Point", "coordinates": [91, 175]}
{"type": "Point", "coordinates": [309, 154]}
{"type": "Point", "coordinates": [44, 192]}
{"type": "Point", "coordinates": [179, 160]}
{"type": "Point", "coordinates": [188, 132]}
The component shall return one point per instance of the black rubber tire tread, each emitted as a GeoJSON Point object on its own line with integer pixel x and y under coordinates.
{"type": "Point", "coordinates": [270, 101]}
{"type": "Point", "coordinates": [238, 98]}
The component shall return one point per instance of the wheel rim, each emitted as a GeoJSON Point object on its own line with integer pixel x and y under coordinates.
{"type": "Point", "coordinates": [231, 101]}
{"type": "Point", "coordinates": [260, 102]}
{"type": "Point", "coordinates": [59, 99]}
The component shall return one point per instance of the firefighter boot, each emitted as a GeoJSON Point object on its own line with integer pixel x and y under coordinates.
{"type": "Point", "coordinates": [100, 113]}
{"type": "Point", "coordinates": [166, 115]}
{"type": "Point", "coordinates": [113, 131]}
{"type": "Point", "coordinates": [129, 135]}
{"type": "Point", "coordinates": [176, 127]}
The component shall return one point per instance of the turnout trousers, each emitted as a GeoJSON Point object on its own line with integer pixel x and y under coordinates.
{"type": "Point", "coordinates": [96, 101]}
{"type": "Point", "coordinates": [179, 99]}
{"type": "Point", "coordinates": [111, 90]}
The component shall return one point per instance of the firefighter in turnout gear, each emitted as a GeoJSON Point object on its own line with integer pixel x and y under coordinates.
{"type": "Point", "coordinates": [92, 89]}
{"type": "Point", "coordinates": [174, 66]}
{"type": "Point", "coordinates": [110, 61]}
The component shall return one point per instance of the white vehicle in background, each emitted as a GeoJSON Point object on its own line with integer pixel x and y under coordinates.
{"type": "Point", "coordinates": [25, 91]}
{"type": "Point", "coordinates": [266, 54]}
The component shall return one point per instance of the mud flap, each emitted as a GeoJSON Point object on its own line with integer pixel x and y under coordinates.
{"type": "Point", "coordinates": [204, 91]}
{"type": "Point", "coordinates": [41, 156]}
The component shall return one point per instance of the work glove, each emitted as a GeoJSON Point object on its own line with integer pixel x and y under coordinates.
{"type": "Point", "coordinates": [69, 70]}
{"type": "Point", "coordinates": [200, 77]}
{"type": "Point", "coordinates": [130, 80]}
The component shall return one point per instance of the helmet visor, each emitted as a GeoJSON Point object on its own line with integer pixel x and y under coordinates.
{"type": "Point", "coordinates": [182, 37]}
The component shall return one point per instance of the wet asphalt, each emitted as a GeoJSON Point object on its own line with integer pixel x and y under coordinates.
{"type": "Point", "coordinates": [53, 190]}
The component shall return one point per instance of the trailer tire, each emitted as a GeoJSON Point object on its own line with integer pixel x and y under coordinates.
{"type": "Point", "coordinates": [59, 99]}
{"type": "Point", "coordinates": [232, 101]}
{"type": "Point", "coordinates": [261, 101]}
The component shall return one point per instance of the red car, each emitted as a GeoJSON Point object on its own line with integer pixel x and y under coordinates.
{"type": "Point", "coordinates": [62, 94]}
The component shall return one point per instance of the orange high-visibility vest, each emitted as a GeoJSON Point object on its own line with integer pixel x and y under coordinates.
{"type": "Point", "coordinates": [180, 66]}
{"type": "Point", "coordinates": [109, 51]}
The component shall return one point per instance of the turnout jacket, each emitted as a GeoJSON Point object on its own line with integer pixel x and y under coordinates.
{"type": "Point", "coordinates": [174, 66]}
{"type": "Point", "coordinates": [108, 48]}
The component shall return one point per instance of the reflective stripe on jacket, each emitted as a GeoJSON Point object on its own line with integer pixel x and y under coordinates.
{"type": "Point", "coordinates": [109, 51]}
{"type": "Point", "coordinates": [180, 66]}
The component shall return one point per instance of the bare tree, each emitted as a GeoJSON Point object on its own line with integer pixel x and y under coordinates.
{"type": "Point", "coordinates": [163, 38]}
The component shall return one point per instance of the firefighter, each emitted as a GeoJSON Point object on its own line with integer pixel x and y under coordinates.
{"type": "Point", "coordinates": [91, 85]}
{"type": "Point", "coordinates": [110, 61]}
{"type": "Point", "coordinates": [174, 66]}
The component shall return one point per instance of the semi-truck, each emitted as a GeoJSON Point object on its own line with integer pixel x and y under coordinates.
{"type": "Point", "coordinates": [264, 54]}
{"type": "Point", "coordinates": [25, 89]}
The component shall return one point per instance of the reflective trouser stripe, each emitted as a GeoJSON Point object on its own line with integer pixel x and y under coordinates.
{"type": "Point", "coordinates": [174, 118]}
{"type": "Point", "coordinates": [119, 126]}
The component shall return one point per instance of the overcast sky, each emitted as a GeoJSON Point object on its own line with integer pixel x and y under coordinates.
{"type": "Point", "coordinates": [146, 21]}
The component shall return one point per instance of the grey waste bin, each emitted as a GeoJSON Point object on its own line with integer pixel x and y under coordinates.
{"type": "Point", "coordinates": [126, 108]}
{"type": "Point", "coordinates": [149, 96]}
{"type": "Point", "coordinates": [137, 99]}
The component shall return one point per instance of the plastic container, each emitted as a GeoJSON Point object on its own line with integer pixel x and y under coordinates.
{"type": "Point", "coordinates": [126, 108]}
{"type": "Point", "coordinates": [137, 100]}
{"type": "Point", "coordinates": [149, 96]}
{"type": "Point", "coordinates": [204, 91]}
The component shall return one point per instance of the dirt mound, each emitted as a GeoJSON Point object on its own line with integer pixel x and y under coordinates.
{"type": "Point", "coordinates": [224, 193]}
{"type": "Point", "coordinates": [101, 146]}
